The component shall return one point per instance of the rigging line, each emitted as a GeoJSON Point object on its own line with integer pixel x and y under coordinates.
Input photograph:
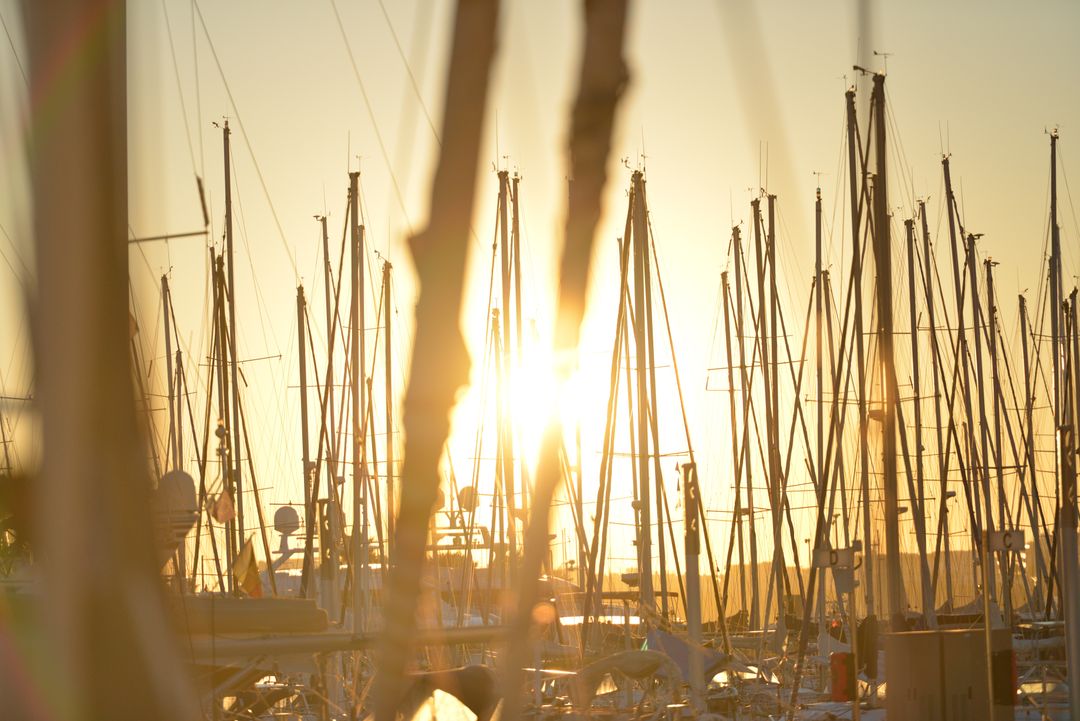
{"type": "Point", "coordinates": [370, 252]}
{"type": "Point", "coordinates": [412, 79]}
{"type": "Point", "coordinates": [531, 283]}
{"type": "Point", "coordinates": [179, 87]}
{"type": "Point", "coordinates": [405, 150]}
{"type": "Point", "coordinates": [1068, 193]}
{"type": "Point", "coordinates": [279, 408]}
{"type": "Point", "coordinates": [261, 303]}
{"type": "Point", "coordinates": [15, 53]}
{"type": "Point", "coordinates": [839, 203]}
{"type": "Point", "coordinates": [899, 152]}
{"type": "Point", "coordinates": [15, 250]}
{"type": "Point", "coordinates": [488, 359]}
{"type": "Point", "coordinates": [247, 141]}
{"type": "Point", "coordinates": [233, 292]}
{"type": "Point", "coordinates": [25, 274]}
{"type": "Point", "coordinates": [198, 99]}
{"type": "Point", "coordinates": [371, 117]}
{"type": "Point", "coordinates": [142, 253]}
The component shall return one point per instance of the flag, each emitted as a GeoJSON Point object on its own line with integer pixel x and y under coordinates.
{"type": "Point", "coordinates": [222, 510]}
{"type": "Point", "coordinates": [245, 571]}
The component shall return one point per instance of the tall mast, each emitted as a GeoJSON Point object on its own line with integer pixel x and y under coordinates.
{"type": "Point", "coordinates": [744, 384]}
{"type": "Point", "coordinates": [653, 406]}
{"type": "Point", "coordinates": [331, 331]}
{"type": "Point", "coordinates": [984, 461]}
{"type": "Point", "coordinates": [856, 184]}
{"type": "Point", "coordinates": [515, 257]}
{"type": "Point", "coordinates": [821, 532]}
{"type": "Point", "coordinates": [920, 481]}
{"type": "Point", "coordinates": [230, 295]}
{"type": "Point", "coordinates": [174, 427]}
{"type": "Point", "coordinates": [328, 514]}
{"type": "Point", "coordinates": [995, 380]}
{"type": "Point", "coordinates": [943, 459]}
{"type": "Point", "coordinates": [640, 250]}
{"type": "Point", "coordinates": [763, 344]}
{"type": "Point", "coordinates": [822, 538]}
{"type": "Point", "coordinates": [736, 520]}
{"type": "Point", "coordinates": [309, 496]}
{"type": "Point", "coordinates": [221, 347]}
{"type": "Point", "coordinates": [1029, 454]}
{"type": "Point", "coordinates": [773, 426]}
{"type": "Point", "coordinates": [178, 392]}
{"type": "Point", "coordinates": [1067, 434]}
{"type": "Point", "coordinates": [388, 370]}
{"type": "Point", "coordinates": [883, 263]}
{"type": "Point", "coordinates": [1056, 302]}
{"type": "Point", "coordinates": [500, 502]}
{"type": "Point", "coordinates": [506, 430]}
{"type": "Point", "coordinates": [356, 363]}
{"type": "Point", "coordinates": [971, 488]}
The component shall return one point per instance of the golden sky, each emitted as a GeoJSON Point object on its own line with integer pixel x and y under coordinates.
{"type": "Point", "coordinates": [725, 98]}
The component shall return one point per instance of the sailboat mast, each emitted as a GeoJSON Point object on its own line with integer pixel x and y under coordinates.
{"type": "Point", "coordinates": [995, 380]}
{"type": "Point", "coordinates": [823, 523]}
{"type": "Point", "coordinates": [174, 430]}
{"type": "Point", "coordinates": [640, 249]}
{"type": "Point", "coordinates": [883, 262]}
{"type": "Point", "coordinates": [1067, 434]}
{"type": "Point", "coordinates": [856, 183]}
{"type": "Point", "coordinates": [506, 431]}
{"type": "Point", "coordinates": [305, 446]}
{"type": "Point", "coordinates": [920, 481]}
{"type": "Point", "coordinates": [984, 450]}
{"type": "Point", "coordinates": [356, 363]}
{"type": "Point", "coordinates": [1029, 456]}
{"type": "Point", "coordinates": [388, 370]}
{"type": "Point", "coordinates": [962, 363]}
{"type": "Point", "coordinates": [331, 330]}
{"type": "Point", "coordinates": [776, 474]}
{"type": "Point", "coordinates": [229, 294]}
{"type": "Point", "coordinates": [653, 415]}
{"type": "Point", "coordinates": [1056, 297]}
{"type": "Point", "coordinates": [943, 459]}
{"type": "Point", "coordinates": [744, 385]}
{"type": "Point", "coordinates": [515, 257]}
{"type": "Point", "coordinates": [736, 520]}
{"type": "Point", "coordinates": [221, 347]}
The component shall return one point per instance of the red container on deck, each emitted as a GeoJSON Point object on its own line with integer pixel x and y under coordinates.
{"type": "Point", "coordinates": [842, 676]}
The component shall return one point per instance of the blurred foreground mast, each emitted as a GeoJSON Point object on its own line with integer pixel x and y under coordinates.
{"type": "Point", "coordinates": [108, 650]}
{"type": "Point", "coordinates": [601, 83]}
{"type": "Point", "coordinates": [440, 362]}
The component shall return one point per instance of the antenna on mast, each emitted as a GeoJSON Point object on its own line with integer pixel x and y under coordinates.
{"type": "Point", "coordinates": [884, 61]}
